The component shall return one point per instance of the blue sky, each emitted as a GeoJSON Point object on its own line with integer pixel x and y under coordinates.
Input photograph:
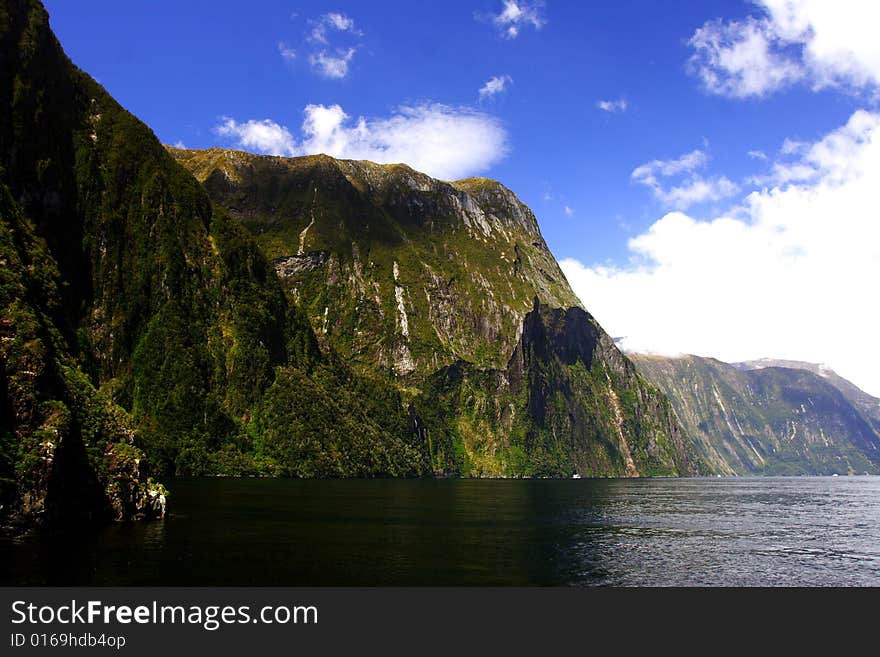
{"type": "Point", "coordinates": [639, 132]}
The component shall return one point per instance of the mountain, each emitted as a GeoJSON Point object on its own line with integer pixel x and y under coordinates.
{"type": "Point", "coordinates": [141, 330]}
{"type": "Point", "coordinates": [567, 402]}
{"type": "Point", "coordinates": [307, 317]}
{"type": "Point", "coordinates": [67, 450]}
{"type": "Point", "coordinates": [867, 405]}
{"type": "Point", "coordinates": [449, 289]}
{"type": "Point", "coordinates": [765, 420]}
{"type": "Point", "coordinates": [397, 271]}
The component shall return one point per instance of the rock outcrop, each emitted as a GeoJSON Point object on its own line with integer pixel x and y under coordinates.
{"type": "Point", "coordinates": [568, 402]}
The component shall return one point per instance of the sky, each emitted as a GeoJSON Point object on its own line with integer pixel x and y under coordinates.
{"type": "Point", "coordinates": [707, 172]}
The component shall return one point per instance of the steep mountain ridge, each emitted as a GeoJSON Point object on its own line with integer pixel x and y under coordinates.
{"type": "Point", "coordinates": [450, 289]}
{"type": "Point", "coordinates": [141, 329]}
{"type": "Point", "coordinates": [767, 420]}
{"type": "Point", "coordinates": [868, 405]}
{"type": "Point", "coordinates": [398, 271]}
{"type": "Point", "coordinates": [288, 318]}
{"type": "Point", "coordinates": [568, 402]}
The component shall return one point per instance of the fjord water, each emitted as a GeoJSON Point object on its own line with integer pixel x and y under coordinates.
{"type": "Point", "coordinates": [653, 532]}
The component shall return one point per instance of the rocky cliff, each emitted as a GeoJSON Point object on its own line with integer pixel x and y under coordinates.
{"type": "Point", "coordinates": [765, 420]}
{"type": "Point", "coordinates": [67, 450]}
{"type": "Point", "coordinates": [396, 270]}
{"type": "Point", "coordinates": [450, 289]}
{"type": "Point", "coordinates": [567, 402]}
{"type": "Point", "coordinates": [867, 405]}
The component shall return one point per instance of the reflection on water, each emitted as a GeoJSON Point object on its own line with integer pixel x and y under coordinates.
{"type": "Point", "coordinates": [735, 532]}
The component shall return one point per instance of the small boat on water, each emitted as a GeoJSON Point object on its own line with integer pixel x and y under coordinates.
{"type": "Point", "coordinates": [575, 476]}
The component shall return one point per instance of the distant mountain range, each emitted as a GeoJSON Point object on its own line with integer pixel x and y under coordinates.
{"type": "Point", "coordinates": [770, 416]}
{"type": "Point", "coordinates": [868, 405]}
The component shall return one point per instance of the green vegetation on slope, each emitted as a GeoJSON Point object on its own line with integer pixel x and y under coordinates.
{"type": "Point", "coordinates": [867, 405]}
{"type": "Point", "coordinates": [66, 450]}
{"type": "Point", "coordinates": [400, 325]}
{"type": "Point", "coordinates": [124, 290]}
{"type": "Point", "coordinates": [567, 402]}
{"type": "Point", "coordinates": [774, 420]}
{"type": "Point", "coordinates": [432, 283]}
{"type": "Point", "coordinates": [398, 272]}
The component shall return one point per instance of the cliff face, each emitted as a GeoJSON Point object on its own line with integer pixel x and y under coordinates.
{"type": "Point", "coordinates": [141, 329]}
{"type": "Point", "coordinates": [770, 420]}
{"type": "Point", "coordinates": [867, 405]}
{"type": "Point", "coordinates": [67, 450]}
{"type": "Point", "coordinates": [397, 271]}
{"type": "Point", "coordinates": [451, 289]}
{"type": "Point", "coordinates": [568, 402]}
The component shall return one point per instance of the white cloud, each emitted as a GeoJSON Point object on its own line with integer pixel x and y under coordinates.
{"type": "Point", "coordinates": [517, 14]}
{"type": "Point", "coordinates": [693, 189]}
{"type": "Point", "coordinates": [569, 212]}
{"type": "Point", "coordinates": [826, 44]}
{"type": "Point", "coordinates": [839, 39]}
{"type": "Point", "coordinates": [757, 155]}
{"type": "Point", "coordinates": [333, 21]}
{"type": "Point", "coordinates": [782, 173]}
{"type": "Point", "coordinates": [180, 144]}
{"type": "Point", "coordinates": [287, 53]}
{"type": "Point", "coordinates": [340, 21]}
{"type": "Point", "coordinates": [445, 142]}
{"type": "Point", "coordinates": [791, 273]}
{"type": "Point", "coordinates": [264, 136]}
{"type": "Point", "coordinates": [327, 57]}
{"type": "Point", "coordinates": [648, 173]}
{"type": "Point", "coordinates": [331, 66]}
{"type": "Point", "coordinates": [792, 146]}
{"type": "Point", "coordinates": [495, 85]}
{"type": "Point", "coordinates": [697, 190]}
{"type": "Point", "coordinates": [738, 59]}
{"type": "Point", "coordinates": [612, 105]}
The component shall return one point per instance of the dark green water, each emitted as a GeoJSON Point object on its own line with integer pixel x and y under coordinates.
{"type": "Point", "coordinates": [737, 532]}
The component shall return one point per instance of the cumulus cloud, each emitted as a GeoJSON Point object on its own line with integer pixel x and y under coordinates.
{"type": "Point", "coordinates": [494, 86]}
{"type": "Point", "coordinates": [822, 43]}
{"type": "Point", "coordinates": [517, 14]}
{"type": "Point", "coordinates": [612, 106]}
{"type": "Point", "coordinates": [331, 66]}
{"type": "Point", "coordinates": [697, 190]}
{"type": "Point", "coordinates": [445, 142]}
{"type": "Point", "coordinates": [790, 273]}
{"type": "Point", "coordinates": [740, 59]}
{"type": "Point", "coordinates": [264, 136]}
{"type": "Point", "coordinates": [569, 212]}
{"type": "Point", "coordinates": [692, 190]}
